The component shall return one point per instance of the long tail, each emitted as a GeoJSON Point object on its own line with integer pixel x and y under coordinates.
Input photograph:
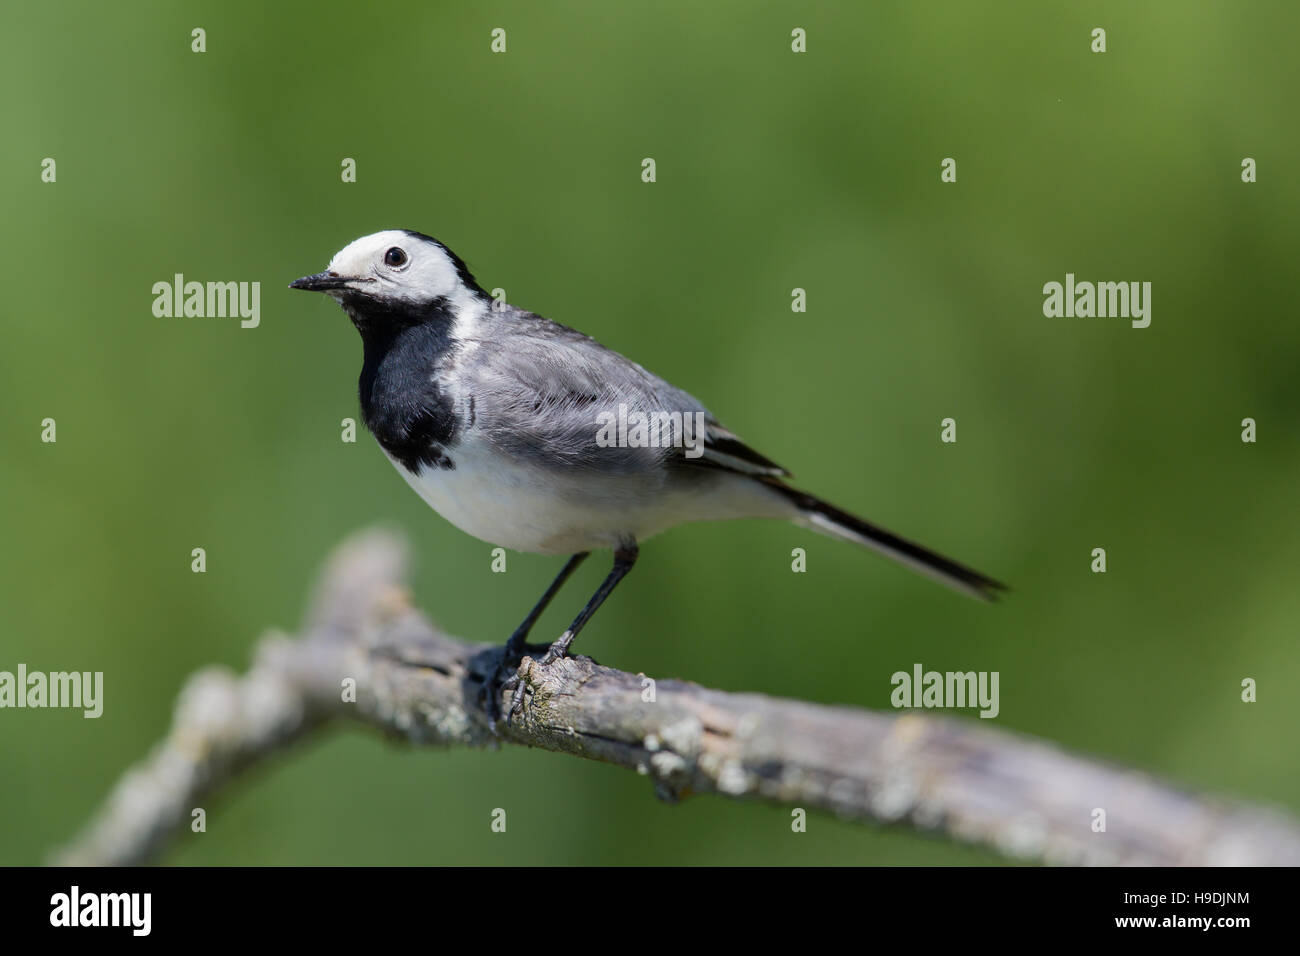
{"type": "Point", "coordinates": [831, 521]}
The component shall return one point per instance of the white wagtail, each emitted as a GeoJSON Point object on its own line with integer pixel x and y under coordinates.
{"type": "Point", "coordinates": [532, 436]}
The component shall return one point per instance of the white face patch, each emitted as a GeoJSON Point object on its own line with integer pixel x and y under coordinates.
{"type": "Point", "coordinates": [421, 273]}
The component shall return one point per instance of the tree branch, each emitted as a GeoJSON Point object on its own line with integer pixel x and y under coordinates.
{"type": "Point", "coordinates": [1026, 798]}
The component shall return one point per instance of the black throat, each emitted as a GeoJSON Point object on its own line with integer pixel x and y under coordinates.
{"type": "Point", "coordinates": [403, 402]}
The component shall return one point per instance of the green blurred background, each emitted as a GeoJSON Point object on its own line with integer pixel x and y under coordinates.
{"type": "Point", "coordinates": [775, 171]}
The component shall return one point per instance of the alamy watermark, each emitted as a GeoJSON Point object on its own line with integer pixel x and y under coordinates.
{"type": "Point", "coordinates": [952, 689]}
{"type": "Point", "coordinates": [210, 300]}
{"type": "Point", "coordinates": [132, 911]}
{"type": "Point", "coordinates": [1102, 300]}
{"type": "Point", "coordinates": [631, 428]}
{"type": "Point", "coordinates": [82, 690]}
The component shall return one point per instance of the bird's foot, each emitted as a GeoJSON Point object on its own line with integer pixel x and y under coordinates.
{"type": "Point", "coordinates": [502, 678]}
{"type": "Point", "coordinates": [515, 683]}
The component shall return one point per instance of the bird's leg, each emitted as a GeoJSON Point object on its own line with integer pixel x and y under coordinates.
{"type": "Point", "coordinates": [624, 557]}
{"type": "Point", "coordinates": [515, 645]}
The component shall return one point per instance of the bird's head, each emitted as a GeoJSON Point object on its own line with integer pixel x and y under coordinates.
{"type": "Point", "coordinates": [396, 274]}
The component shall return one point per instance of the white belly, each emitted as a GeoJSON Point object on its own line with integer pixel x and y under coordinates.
{"type": "Point", "coordinates": [513, 506]}
{"type": "Point", "coordinates": [526, 508]}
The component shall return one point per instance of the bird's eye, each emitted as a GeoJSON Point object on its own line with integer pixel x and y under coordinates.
{"type": "Point", "coordinates": [395, 257]}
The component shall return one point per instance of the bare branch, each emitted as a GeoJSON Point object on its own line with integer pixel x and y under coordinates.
{"type": "Point", "coordinates": [958, 778]}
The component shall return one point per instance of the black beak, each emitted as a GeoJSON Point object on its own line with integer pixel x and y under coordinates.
{"type": "Point", "coordinates": [321, 282]}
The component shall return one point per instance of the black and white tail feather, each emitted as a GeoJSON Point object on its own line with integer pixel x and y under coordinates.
{"type": "Point", "coordinates": [725, 450]}
{"type": "Point", "coordinates": [823, 517]}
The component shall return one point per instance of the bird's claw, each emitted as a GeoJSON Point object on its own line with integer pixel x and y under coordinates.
{"type": "Point", "coordinates": [507, 678]}
{"type": "Point", "coordinates": [498, 681]}
{"type": "Point", "coordinates": [504, 679]}
{"type": "Point", "coordinates": [516, 699]}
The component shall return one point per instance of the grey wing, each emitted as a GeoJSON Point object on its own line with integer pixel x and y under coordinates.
{"type": "Point", "coordinates": [546, 397]}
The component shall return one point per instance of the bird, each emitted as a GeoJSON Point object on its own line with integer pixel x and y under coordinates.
{"type": "Point", "coordinates": [531, 436]}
